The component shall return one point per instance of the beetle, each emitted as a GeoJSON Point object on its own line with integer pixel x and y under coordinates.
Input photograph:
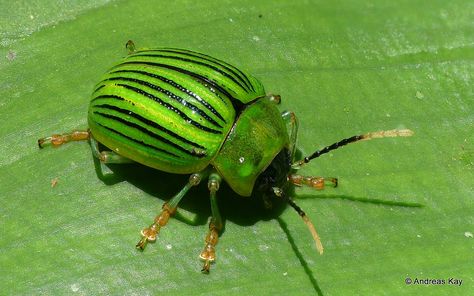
{"type": "Point", "coordinates": [183, 112]}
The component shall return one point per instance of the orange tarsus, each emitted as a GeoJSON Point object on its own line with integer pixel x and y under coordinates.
{"type": "Point", "coordinates": [59, 139]}
{"type": "Point", "coordinates": [149, 234]}
{"type": "Point", "coordinates": [208, 254]}
{"type": "Point", "coordinates": [311, 181]}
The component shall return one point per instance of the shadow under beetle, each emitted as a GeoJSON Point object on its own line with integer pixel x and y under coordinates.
{"type": "Point", "coordinates": [184, 112]}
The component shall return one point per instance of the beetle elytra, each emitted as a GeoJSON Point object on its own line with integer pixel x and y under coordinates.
{"type": "Point", "coordinates": [184, 112]}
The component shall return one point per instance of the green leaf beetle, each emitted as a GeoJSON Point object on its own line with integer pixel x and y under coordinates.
{"type": "Point", "coordinates": [184, 112]}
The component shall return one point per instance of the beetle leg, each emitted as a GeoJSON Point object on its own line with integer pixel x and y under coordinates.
{"type": "Point", "coordinates": [292, 127]}
{"type": "Point", "coordinates": [130, 46]}
{"type": "Point", "coordinates": [208, 254]}
{"type": "Point", "coordinates": [313, 182]}
{"type": "Point", "coordinates": [107, 156]}
{"type": "Point", "coordinates": [274, 98]}
{"type": "Point", "coordinates": [169, 208]}
{"type": "Point", "coordinates": [59, 139]}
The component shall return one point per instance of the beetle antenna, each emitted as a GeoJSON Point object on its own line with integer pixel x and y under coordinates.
{"type": "Point", "coordinates": [353, 139]}
{"type": "Point", "coordinates": [311, 228]}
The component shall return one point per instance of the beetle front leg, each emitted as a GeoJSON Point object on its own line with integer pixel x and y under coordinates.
{"type": "Point", "coordinates": [315, 182]}
{"type": "Point", "coordinates": [311, 181]}
{"type": "Point", "coordinates": [208, 254]}
{"type": "Point", "coordinates": [169, 208]}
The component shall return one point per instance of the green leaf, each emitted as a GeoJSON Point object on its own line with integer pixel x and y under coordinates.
{"type": "Point", "coordinates": [344, 68]}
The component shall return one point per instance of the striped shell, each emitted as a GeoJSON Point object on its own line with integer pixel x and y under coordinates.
{"type": "Point", "coordinates": [170, 109]}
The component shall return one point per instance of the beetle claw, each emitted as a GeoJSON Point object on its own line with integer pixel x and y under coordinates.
{"type": "Point", "coordinates": [207, 267]}
{"type": "Point", "coordinates": [41, 142]}
{"type": "Point", "coordinates": [148, 235]}
{"type": "Point", "coordinates": [142, 243]}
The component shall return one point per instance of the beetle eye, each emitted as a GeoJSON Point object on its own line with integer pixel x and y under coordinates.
{"type": "Point", "coordinates": [273, 179]}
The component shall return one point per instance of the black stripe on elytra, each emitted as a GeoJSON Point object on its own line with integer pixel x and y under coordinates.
{"type": "Point", "coordinates": [176, 85]}
{"type": "Point", "coordinates": [138, 141]}
{"type": "Point", "coordinates": [109, 97]}
{"type": "Point", "coordinates": [146, 131]}
{"type": "Point", "coordinates": [191, 61]}
{"type": "Point", "coordinates": [231, 68]}
{"type": "Point", "coordinates": [170, 107]}
{"type": "Point", "coordinates": [144, 120]}
{"type": "Point", "coordinates": [170, 95]}
{"type": "Point", "coordinates": [227, 67]}
{"type": "Point", "coordinates": [210, 84]}
{"type": "Point", "coordinates": [99, 87]}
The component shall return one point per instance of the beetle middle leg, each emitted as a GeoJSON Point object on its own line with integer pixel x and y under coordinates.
{"type": "Point", "coordinates": [169, 208]}
{"type": "Point", "coordinates": [216, 224]}
{"type": "Point", "coordinates": [311, 181]}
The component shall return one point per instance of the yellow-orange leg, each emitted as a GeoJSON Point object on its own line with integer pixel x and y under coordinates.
{"type": "Point", "coordinates": [208, 254]}
{"type": "Point", "coordinates": [313, 182]}
{"type": "Point", "coordinates": [59, 139]}
{"type": "Point", "coordinates": [169, 208]}
{"type": "Point", "coordinates": [149, 234]}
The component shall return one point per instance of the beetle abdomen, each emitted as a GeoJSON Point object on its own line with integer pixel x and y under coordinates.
{"type": "Point", "coordinates": [169, 109]}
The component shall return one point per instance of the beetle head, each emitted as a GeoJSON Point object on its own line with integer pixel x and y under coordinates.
{"type": "Point", "coordinates": [274, 177]}
{"type": "Point", "coordinates": [273, 181]}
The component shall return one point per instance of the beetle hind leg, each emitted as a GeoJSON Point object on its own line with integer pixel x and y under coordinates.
{"type": "Point", "coordinates": [208, 254]}
{"type": "Point", "coordinates": [169, 208]}
{"type": "Point", "coordinates": [59, 139]}
{"type": "Point", "coordinates": [107, 157]}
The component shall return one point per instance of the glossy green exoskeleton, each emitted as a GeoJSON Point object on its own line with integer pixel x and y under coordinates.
{"type": "Point", "coordinates": [183, 112]}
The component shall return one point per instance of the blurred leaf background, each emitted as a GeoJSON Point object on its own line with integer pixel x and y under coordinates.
{"type": "Point", "coordinates": [344, 67]}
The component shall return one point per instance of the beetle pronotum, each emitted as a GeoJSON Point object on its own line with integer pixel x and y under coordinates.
{"type": "Point", "coordinates": [184, 112]}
